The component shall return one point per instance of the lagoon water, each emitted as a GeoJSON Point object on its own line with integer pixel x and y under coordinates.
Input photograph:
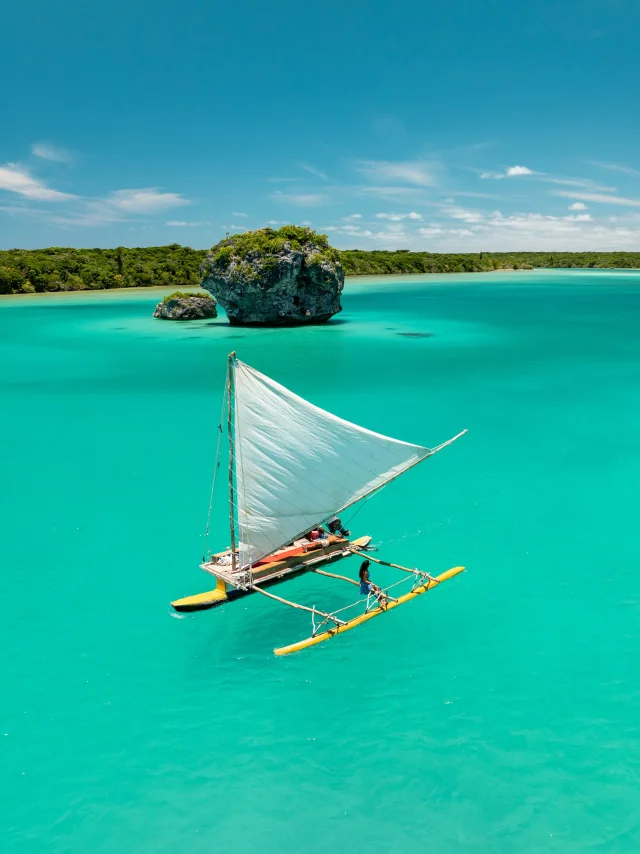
{"type": "Point", "coordinates": [499, 713]}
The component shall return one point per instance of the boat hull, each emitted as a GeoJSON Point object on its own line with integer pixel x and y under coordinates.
{"type": "Point", "coordinates": [268, 575]}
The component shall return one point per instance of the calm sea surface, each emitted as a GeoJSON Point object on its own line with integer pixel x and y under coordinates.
{"type": "Point", "coordinates": [498, 714]}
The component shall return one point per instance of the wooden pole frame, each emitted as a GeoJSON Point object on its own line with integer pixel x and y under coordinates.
{"type": "Point", "coordinates": [300, 607]}
{"type": "Point", "coordinates": [414, 571]}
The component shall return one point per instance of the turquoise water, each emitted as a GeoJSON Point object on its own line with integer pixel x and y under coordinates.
{"type": "Point", "coordinates": [499, 713]}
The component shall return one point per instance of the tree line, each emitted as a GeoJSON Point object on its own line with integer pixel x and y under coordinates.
{"type": "Point", "coordinates": [60, 269]}
{"type": "Point", "coordinates": [379, 262]}
{"type": "Point", "coordinates": [57, 269]}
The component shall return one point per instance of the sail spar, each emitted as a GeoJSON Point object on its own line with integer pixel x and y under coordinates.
{"type": "Point", "coordinates": [296, 464]}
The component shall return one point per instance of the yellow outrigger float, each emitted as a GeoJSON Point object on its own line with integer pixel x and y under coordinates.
{"type": "Point", "coordinates": [369, 615]}
{"type": "Point", "coordinates": [292, 469]}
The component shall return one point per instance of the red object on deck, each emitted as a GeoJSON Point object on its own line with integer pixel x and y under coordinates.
{"type": "Point", "coordinates": [298, 550]}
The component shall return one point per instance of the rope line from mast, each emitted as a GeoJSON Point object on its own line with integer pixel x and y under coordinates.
{"type": "Point", "coordinates": [215, 473]}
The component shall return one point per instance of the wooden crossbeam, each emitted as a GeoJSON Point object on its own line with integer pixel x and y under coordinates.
{"type": "Point", "coordinates": [334, 575]}
{"type": "Point", "coordinates": [297, 605]}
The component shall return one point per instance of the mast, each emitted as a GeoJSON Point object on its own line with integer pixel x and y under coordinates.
{"type": "Point", "coordinates": [232, 496]}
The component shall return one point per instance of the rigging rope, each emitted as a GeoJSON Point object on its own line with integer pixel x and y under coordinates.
{"type": "Point", "coordinates": [213, 481]}
{"type": "Point", "coordinates": [368, 498]}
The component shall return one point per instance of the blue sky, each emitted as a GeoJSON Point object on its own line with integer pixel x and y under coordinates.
{"type": "Point", "coordinates": [459, 126]}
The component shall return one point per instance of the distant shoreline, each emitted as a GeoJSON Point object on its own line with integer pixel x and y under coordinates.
{"type": "Point", "coordinates": [162, 290]}
{"type": "Point", "coordinates": [60, 269]}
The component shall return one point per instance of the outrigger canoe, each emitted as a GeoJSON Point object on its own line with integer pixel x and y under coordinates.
{"type": "Point", "coordinates": [292, 469]}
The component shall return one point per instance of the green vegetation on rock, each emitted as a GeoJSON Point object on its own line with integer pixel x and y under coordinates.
{"type": "Point", "coordinates": [255, 256]}
{"type": "Point", "coordinates": [188, 295]}
{"type": "Point", "coordinates": [266, 241]}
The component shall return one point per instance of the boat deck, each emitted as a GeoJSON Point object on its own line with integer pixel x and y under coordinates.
{"type": "Point", "coordinates": [275, 568]}
{"type": "Point", "coordinates": [232, 585]}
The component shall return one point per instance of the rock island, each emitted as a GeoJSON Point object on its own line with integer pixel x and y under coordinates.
{"type": "Point", "coordinates": [275, 278]}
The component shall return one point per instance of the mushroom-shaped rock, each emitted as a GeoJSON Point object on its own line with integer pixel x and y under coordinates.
{"type": "Point", "coordinates": [186, 306]}
{"type": "Point", "coordinates": [275, 278]}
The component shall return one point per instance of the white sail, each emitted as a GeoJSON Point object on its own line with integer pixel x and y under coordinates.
{"type": "Point", "coordinates": [296, 464]}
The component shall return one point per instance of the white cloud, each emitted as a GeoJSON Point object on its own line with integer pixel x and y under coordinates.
{"type": "Point", "coordinates": [600, 198]}
{"type": "Point", "coordinates": [577, 206]}
{"type": "Point", "coordinates": [509, 172]}
{"type": "Point", "coordinates": [396, 217]}
{"type": "Point", "coordinates": [146, 200]}
{"type": "Point", "coordinates": [120, 206]}
{"type": "Point", "coordinates": [313, 171]}
{"type": "Point", "coordinates": [21, 210]}
{"type": "Point", "coordinates": [238, 213]}
{"type": "Point", "coordinates": [529, 231]}
{"type": "Point", "coordinates": [356, 229]}
{"type": "Point", "coordinates": [477, 230]}
{"type": "Point", "coordinates": [416, 172]}
{"type": "Point", "coordinates": [15, 179]}
{"type": "Point", "coordinates": [587, 183]}
{"type": "Point", "coordinates": [403, 195]}
{"type": "Point", "coordinates": [477, 195]}
{"type": "Point", "coordinates": [515, 171]}
{"type": "Point", "coordinates": [615, 167]}
{"type": "Point", "coordinates": [92, 214]}
{"type": "Point", "coordinates": [393, 237]}
{"type": "Point", "coordinates": [352, 216]}
{"type": "Point", "coordinates": [461, 232]}
{"type": "Point", "coordinates": [180, 223]}
{"type": "Point", "coordinates": [300, 198]}
{"type": "Point", "coordinates": [465, 214]}
{"type": "Point", "coordinates": [51, 152]}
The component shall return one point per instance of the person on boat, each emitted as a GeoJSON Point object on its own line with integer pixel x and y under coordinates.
{"type": "Point", "coordinates": [317, 537]}
{"type": "Point", "coordinates": [367, 587]}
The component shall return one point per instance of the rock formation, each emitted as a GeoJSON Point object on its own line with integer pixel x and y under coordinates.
{"type": "Point", "coordinates": [275, 278]}
{"type": "Point", "coordinates": [185, 306]}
